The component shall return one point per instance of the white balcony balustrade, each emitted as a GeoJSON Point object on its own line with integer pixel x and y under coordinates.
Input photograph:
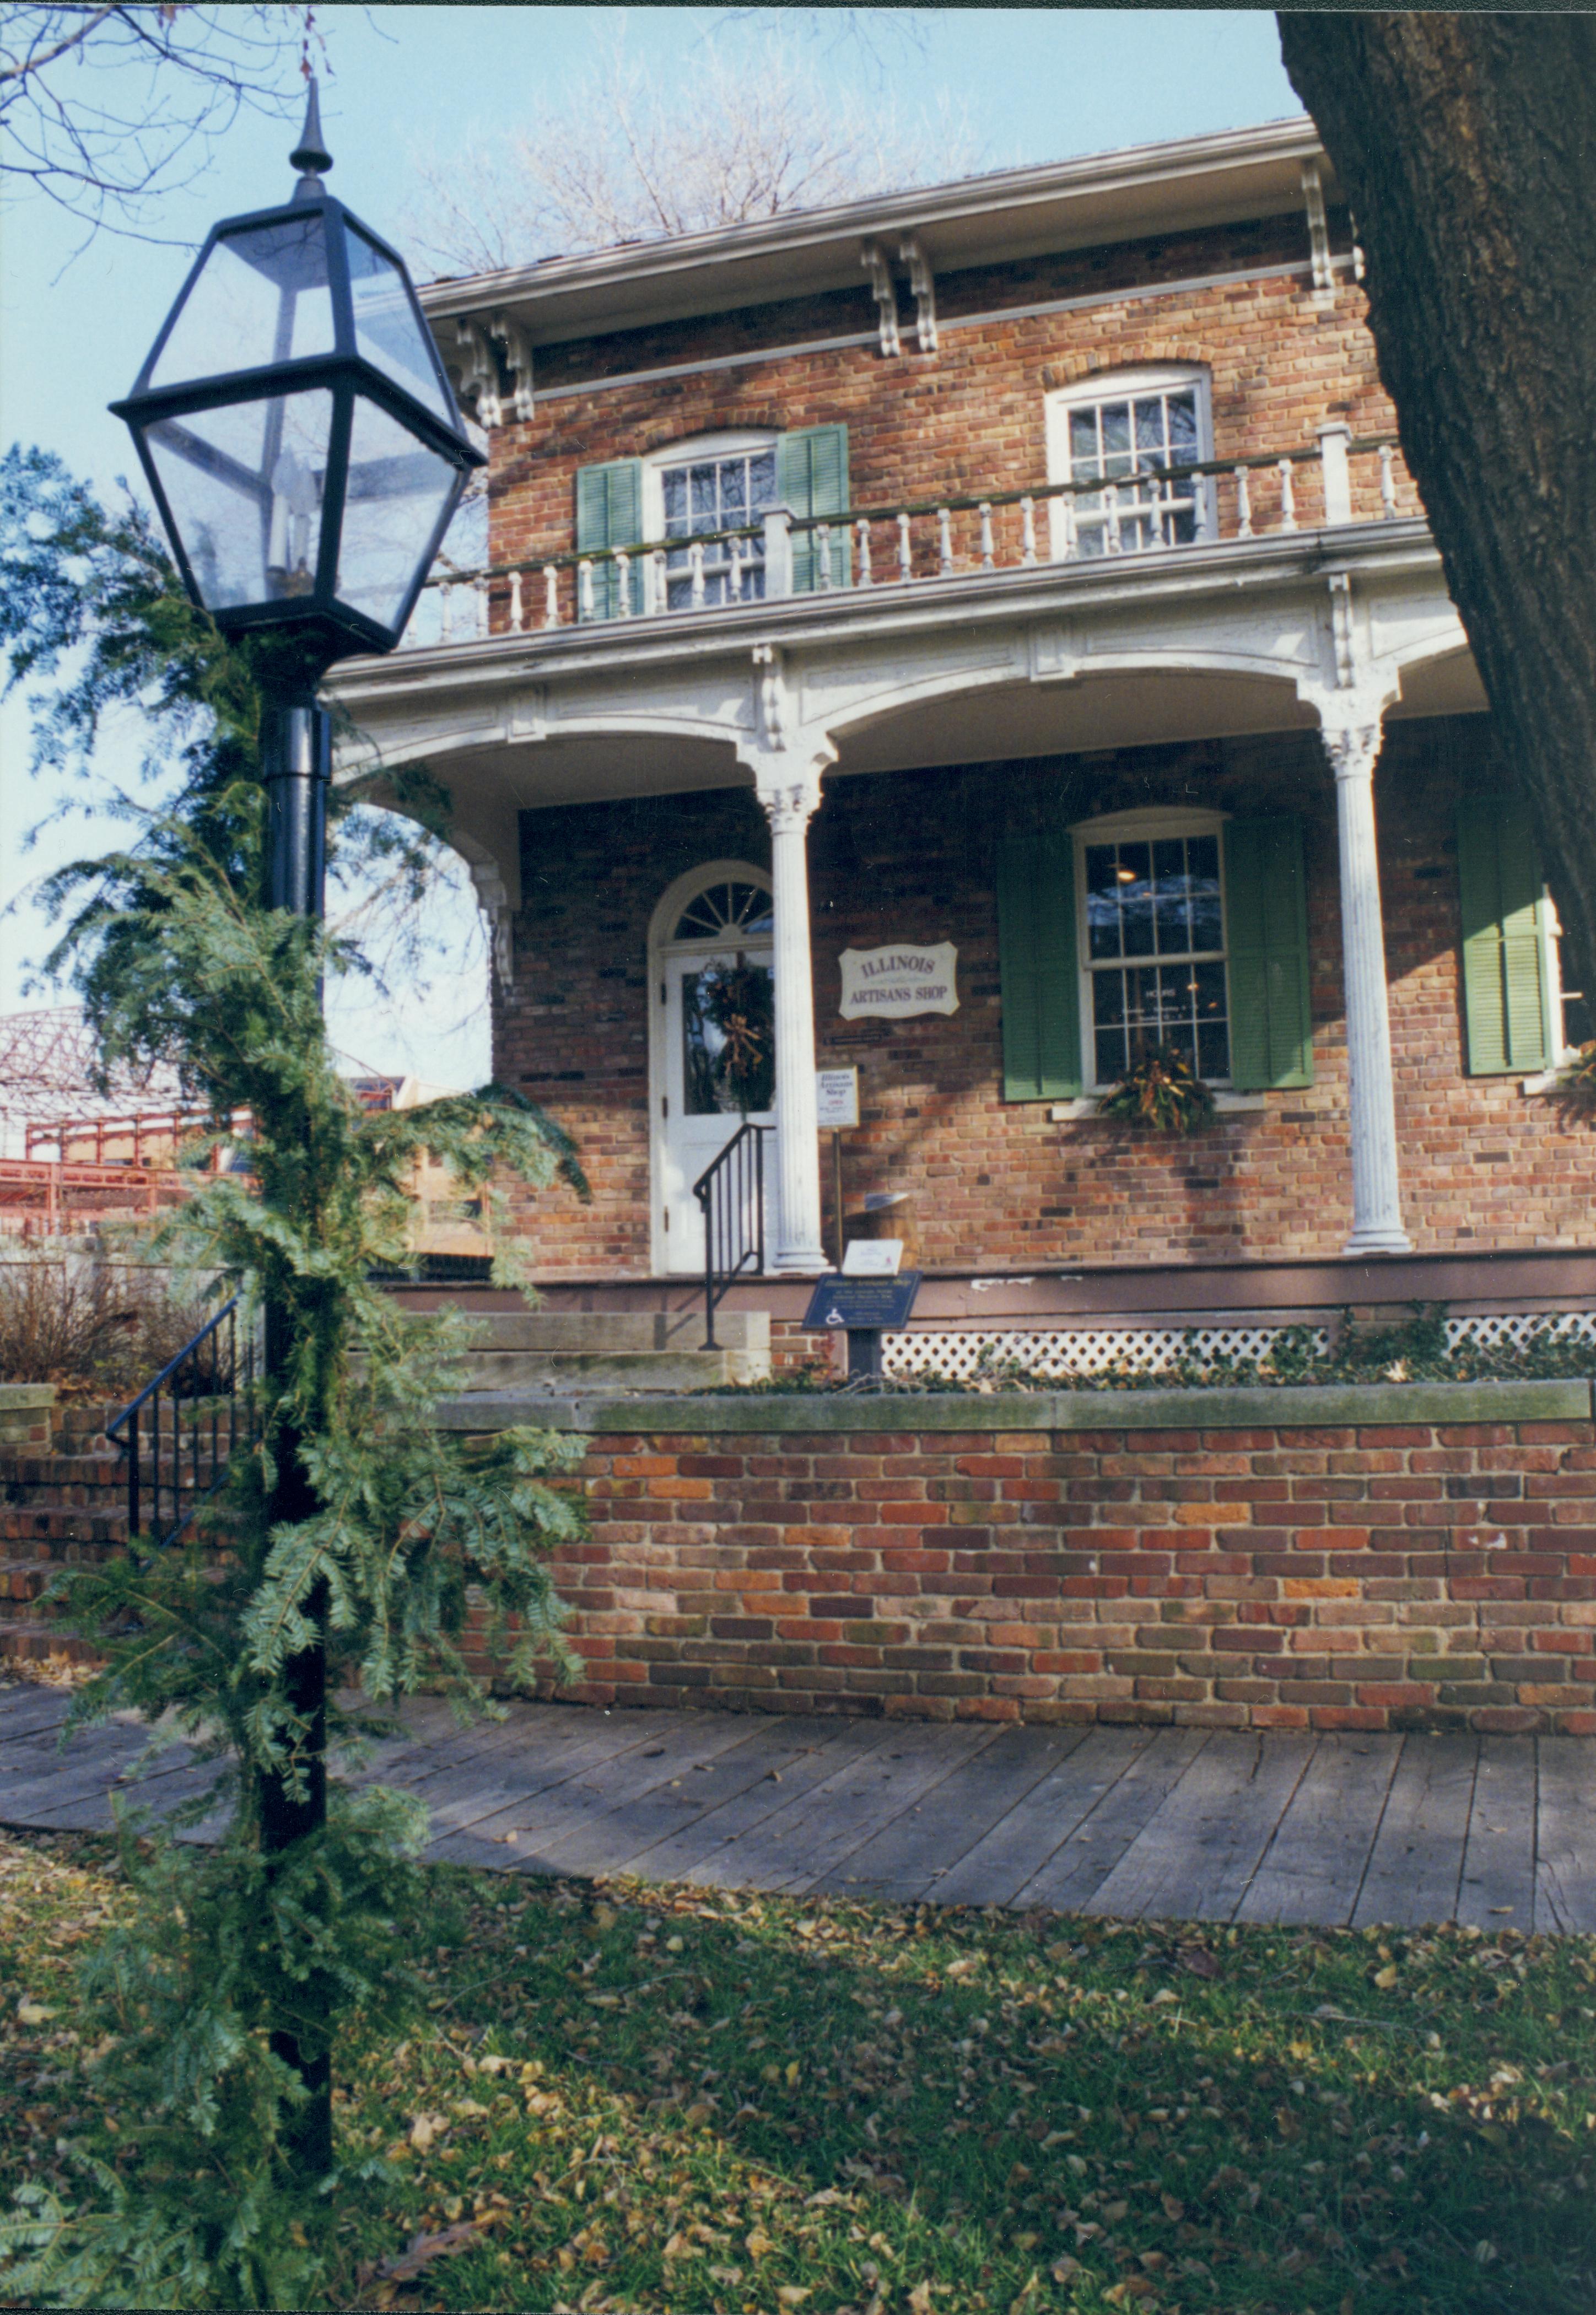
{"type": "Point", "coordinates": [1156, 510]}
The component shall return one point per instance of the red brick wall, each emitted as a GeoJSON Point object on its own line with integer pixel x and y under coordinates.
{"type": "Point", "coordinates": [1387, 1577]}
{"type": "Point", "coordinates": [970, 417]}
{"type": "Point", "coordinates": [999, 1185]}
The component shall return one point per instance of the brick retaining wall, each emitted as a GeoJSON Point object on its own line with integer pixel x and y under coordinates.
{"type": "Point", "coordinates": [1026, 1558]}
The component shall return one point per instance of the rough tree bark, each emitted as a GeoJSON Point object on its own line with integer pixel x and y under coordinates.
{"type": "Point", "coordinates": [1466, 146]}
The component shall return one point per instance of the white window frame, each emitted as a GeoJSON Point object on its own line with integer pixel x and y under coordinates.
{"type": "Point", "coordinates": [1123, 386]}
{"type": "Point", "coordinates": [691, 451]}
{"type": "Point", "coordinates": [1142, 826]}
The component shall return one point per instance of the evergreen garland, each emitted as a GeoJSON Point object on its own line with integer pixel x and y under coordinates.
{"type": "Point", "coordinates": [175, 959]}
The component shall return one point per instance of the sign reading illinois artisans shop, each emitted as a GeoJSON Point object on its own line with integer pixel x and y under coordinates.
{"type": "Point", "coordinates": [905, 976]}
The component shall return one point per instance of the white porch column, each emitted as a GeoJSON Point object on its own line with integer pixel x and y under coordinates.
{"type": "Point", "coordinates": [1352, 749]}
{"type": "Point", "coordinates": [789, 788]}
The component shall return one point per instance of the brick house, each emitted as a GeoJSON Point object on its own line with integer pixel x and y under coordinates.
{"type": "Point", "coordinates": [997, 611]}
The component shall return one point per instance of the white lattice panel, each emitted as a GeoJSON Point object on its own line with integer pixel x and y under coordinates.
{"type": "Point", "coordinates": [1076, 1349]}
{"type": "Point", "coordinates": [1146, 1350]}
{"type": "Point", "coordinates": [1514, 1329]}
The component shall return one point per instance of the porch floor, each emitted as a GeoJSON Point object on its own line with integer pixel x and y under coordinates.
{"type": "Point", "coordinates": [1496, 1832]}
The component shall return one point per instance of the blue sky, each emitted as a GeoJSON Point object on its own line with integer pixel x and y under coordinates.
{"type": "Point", "coordinates": [1033, 84]}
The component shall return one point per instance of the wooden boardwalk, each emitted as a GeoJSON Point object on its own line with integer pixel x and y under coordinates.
{"type": "Point", "coordinates": [1499, 1831]}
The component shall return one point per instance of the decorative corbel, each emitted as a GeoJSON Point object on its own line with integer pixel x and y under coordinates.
{"type": "Point", "coordinates": [493, 900]}
{"type": "Point", "coordinates": [924, 285]}
{"type": "Point", "coordinates": [770, 697]}
{"type": "Point", "coordinates": [884, 290]}
{"type": "Point", "coordinates": [1319, 234]}
{"type": "Point", "coordinates": [1347, 668]}
{"type": "Point", "coordinates": [479, 373]}
{"type": "Point", "coordinates": [518, 361]}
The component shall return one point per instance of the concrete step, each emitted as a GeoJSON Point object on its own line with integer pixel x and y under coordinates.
{"type": "Point", "coordinates": [625, 1371]}
{"type": "Point", "coordinates": [602, 1332]}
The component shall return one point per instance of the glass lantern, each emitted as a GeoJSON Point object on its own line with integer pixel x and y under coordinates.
{"type": "Point", "coordinates": [296, 426]}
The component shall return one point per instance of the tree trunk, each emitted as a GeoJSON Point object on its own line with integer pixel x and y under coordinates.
{"type": "Point", "coordinates": [1466, 147]}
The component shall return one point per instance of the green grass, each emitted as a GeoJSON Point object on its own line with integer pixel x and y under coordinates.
{"type": "Point", "coordinates": [625, 2100]}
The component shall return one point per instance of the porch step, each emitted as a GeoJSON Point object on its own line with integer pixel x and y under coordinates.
{"type": "Point", "coordinates": [617, 1350]}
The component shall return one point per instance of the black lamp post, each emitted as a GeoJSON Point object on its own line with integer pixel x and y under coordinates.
{"type": "Point", "coordinates": [304, 447]}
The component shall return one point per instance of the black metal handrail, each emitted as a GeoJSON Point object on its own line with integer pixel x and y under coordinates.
{"type": "Point", "coordinates": [217, 1372]}
{"type": "Point", "coordinates": [733, 1224]}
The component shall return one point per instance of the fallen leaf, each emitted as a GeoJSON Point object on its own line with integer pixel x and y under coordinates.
{"type": "Point", "coordinates": [1175, 2209]}
{"type": "Point", "coordinates": [919, 2299]}
{"type": "Point", "coordinates": [1386, 1978]}
{"type": "Point", "coordinates": [425, 2128]}
{"type": "Point", "coordinates": [423, 2249]}
{"type": "Point", "coordinates": [33, 2013]}
{"type": "Point", "coordinates": [758, 2243]}
{"type": "Point", "coordinates": [1197, 1962]}
{"type": "Point", "coordinates": [1062, 2268]}
{"type": "Point", "coordinates": [793, 2294]}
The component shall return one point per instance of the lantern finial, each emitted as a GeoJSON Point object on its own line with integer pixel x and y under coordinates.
{"type": "Point", "coordinates": [310, 157]}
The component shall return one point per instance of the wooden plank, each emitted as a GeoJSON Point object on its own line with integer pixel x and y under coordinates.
{"type": "Point", "coordinates": [1314, 1868]}
{"type": "Point", "coordinates": [94, 1812]}
{"type": "Point", "coordinates": [904, 1860]}
{"type": "Point", "coordinates": [1079, 1867]}
{"type": "Point", "coordinates": [1004, 1859]}
{"type": "Point", "coordinates": [1566, 1833]}
{"type": "Point", "coordinates": [634, 1762]}
{"type": "Point", "coordinates": [438, 1749]}
{"type": "Point", "coordinates": [38, 1800]}
{"type": "Point", "coordinates": [844, 1811]}
{"type": "Point", "coordinates": [1195, 1857]}
{"type": "Point", "coordinates": [24, 1708]}
{"type": "Point", "coordinates": [1497, 1890]}
{"type": "Point", "coordinates": [1417, 1859]}
{"type": "Point", "coordinates": [722, 1849]}
{"type": "Point", "coordinates": [620, 1838]}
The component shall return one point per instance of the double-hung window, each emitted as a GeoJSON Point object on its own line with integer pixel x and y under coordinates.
{"type": "Point", "coordinates": [715, 489]}
{"type": "Point", "coordinates": [1153, 935]}
{"type": "Point", "coordinates": [1158, 927]}
{"type": "Point", "coordinates": [660, 520]}
{"type": "Point", "coordinates": [1116, 431]}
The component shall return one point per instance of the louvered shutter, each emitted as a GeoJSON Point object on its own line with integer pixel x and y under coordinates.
{"type": "Point", "coordinates": [1266, 942]}
{"type": "Point", "coordinates": [811, 477]}
{"type": "Point", "coordinates": [1506, 1002]}
{"type": "Point", "coordinates": [609, 514]}
{"type": "Point", "coordinates": [1038, 969]}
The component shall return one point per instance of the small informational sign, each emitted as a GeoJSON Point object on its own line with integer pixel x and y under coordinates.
{"type": "Point", "coordinates": [873, 1258]}
{"type": "Point", "coordinates": [878, 1304]}
{"type": "Point", "coordinates": [903, 978]}
{"type": "Point", "coordinates": [836, 1100]}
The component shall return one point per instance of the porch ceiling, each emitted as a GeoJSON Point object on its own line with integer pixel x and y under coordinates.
{"type": "Point", "coordinates": [1018, 719]}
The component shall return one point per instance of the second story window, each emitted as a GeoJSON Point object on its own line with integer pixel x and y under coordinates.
{"type": "Point", "coordinates": [1116, 428]}
{"type": "Point", "coordinates": [637, 520]}
{"type": "Point", "coordinates": [717, 489]}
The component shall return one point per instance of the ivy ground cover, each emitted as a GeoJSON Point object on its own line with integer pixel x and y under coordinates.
{"type": "Point", "coordinates": [620, 2099]}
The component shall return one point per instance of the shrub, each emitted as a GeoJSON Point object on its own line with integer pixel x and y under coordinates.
{"type": "Point", "coordinates": [89, 1325]}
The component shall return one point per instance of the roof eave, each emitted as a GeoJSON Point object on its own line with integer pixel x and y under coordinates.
{"type": "Point", "coordinates": [1177, 185]}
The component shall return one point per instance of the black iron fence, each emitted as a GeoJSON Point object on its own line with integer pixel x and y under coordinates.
{"type": "Point", "coordinates": [182, 1431]}
{"type": "Point", "coordinates": [731, 1194]}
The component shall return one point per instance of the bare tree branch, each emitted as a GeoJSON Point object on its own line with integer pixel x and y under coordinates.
{"type": "Point", "coordinates": [755, 129]}
{"type": "Point", "coordinates": [106, 110]}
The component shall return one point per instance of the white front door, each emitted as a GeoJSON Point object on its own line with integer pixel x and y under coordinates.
{"type": "Point", "coordinates": [697, 1113]}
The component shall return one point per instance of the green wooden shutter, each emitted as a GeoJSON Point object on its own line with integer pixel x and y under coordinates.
{"type": "Point", "coordinates": [811, 477]}
{"type": "Point", "coordinates": [1266, 941]}
{"type": "Point", "coordinates": [609, 514]}
{"type": "Point", "coordinates": [1038, 969]}
{"type": "Point", "coordinates": [1506, 1002]}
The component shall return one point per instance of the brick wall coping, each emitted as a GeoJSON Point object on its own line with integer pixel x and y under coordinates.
{"type": "Point", "coordinates": [26, 1395]}
{"type": "Point", "coordinates": [1315, 1406]}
